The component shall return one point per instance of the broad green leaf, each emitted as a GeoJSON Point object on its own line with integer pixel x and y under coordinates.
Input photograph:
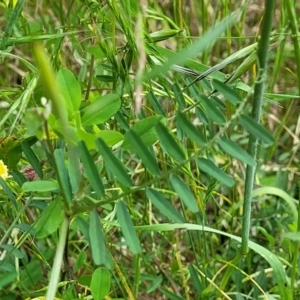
{"type": "Point", "coordinates": [256, 129]}
{"type": "Point", "coordinates": [113, 163]}
{"type": "Point", "coordinates": [97, 239]}
{"type": "Point", "coordinates": [69, 88]}
{"type": "Point", "coordinates": [184, 193]}
{"type": "Point", "coordinates": [41, 186]}
{"type": "Point", "coordinates": [50, 219]}
{"type": "Point", "coordinates": [127, 228]}
{"type": "Point", "coordinates": [13, 250]}
{"type": "Point", "coordinates": [231, 95]}
{"type": "Point", "coordinates": [279, 272]}
{"type": "Point", "coordinates": [96, 51]}
{"type": "Point", "coordinates": [63, 174]}
{"type": "Point", "coordinates": [32, 159]}
{"type": "Point", "coordinates": [7, 278]}
{"type": "Point", "coordinates": [211, 169]}
{"type": "Point", "coordinates": [212, 111]}
{"type": "Point", "coordinates": [190, 130]}
{"type": "Point", "coordinates": [169, 144]}
{"type": "Point", "coordinates": [100, 284]}
{"type": "Point", "coordinates": [101, 110]}
{"type": "Point", "coordinates": [90, 170]}
{"type": "Point", "coordinates": [163, 205]}
{"type": "Point", "coordinates": [236, 151]}
{"type": "Point", "coordinates": [110, 137]}
{"type": "Point", "coordinates": [145, 129]}
{"type": "Point", "coordinates": [143, 152]}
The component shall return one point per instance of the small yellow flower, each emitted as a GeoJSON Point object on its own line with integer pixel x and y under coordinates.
{"type": "Point", "coordinates": [3, 170]}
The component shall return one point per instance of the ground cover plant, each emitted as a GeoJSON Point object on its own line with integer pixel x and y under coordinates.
{"type": "Point", "coordinates": [149, 149]}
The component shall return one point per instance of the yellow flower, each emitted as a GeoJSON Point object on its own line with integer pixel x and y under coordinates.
{"type": "Point", "coordinates": [3, 170]}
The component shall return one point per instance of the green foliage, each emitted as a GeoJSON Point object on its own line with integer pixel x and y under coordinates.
{"type": "Point", "coordinates": [126, 153]}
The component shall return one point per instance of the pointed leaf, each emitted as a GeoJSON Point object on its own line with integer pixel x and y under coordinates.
{"type": "Point", "coordinates": [145, 129]}
{"type": "Point", "coordinates": [63, 174]}
{"type": "Point", "coordinates": [113, 164]}
{"type": "Point", "coordinates": [41, 186]}
{"type": "Point", "coordinates": [127, 228]}
{"type": "Point", "coordinates": [201, 116]}
{"type": "Point", "coordinates": [211, 169]}
{"type": "Point", "coordinates": [184, 193]}
{"type": "Point", "coordinates": [50, 219]}
{"type": "Point", "coordinates": [236, 151]}
{"type": "Point", "coordinates": [32, 159]}
{"type": "Point", "coordinates": [189, 129]}
{"type": "Point", "coordinates": [8, 192]}
{"type": "Point", "coordinates": [168, 143]}
{"type": "Point", "coordinates": [164, 206]}
{"type": "Point", "coordinates": [74, 169]}
{"type": "Point", "coordinates": [155, 104]}
{"type": "Point", "coordinates": [90, 170]}
{"type": "Point", "coordinates": [97, 239]}
{"type": "Point", "coordinates": [256, 129]}
{"type": "Point", "coordinates": [100, 283]}
{"type": "Point", "coordinates": [69, 88]}
{"type": "Point", "coordinates": [142, 151]}
{"type": "Point", "coordinates": [178, 96]}
{"type": "Point", "coordinates": [212, 111]}
{"type": "Point", "coordinates": [101, 110]}
{"type": "Point", "coordinates": [231, 95]}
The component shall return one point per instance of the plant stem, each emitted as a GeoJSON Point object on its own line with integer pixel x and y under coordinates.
{"type": "Point", "coordinates": [262, 54]}
{"type": "Point", "coordinates": [54, 279]}
{"type": "Point", "coordinates": [290, 6]}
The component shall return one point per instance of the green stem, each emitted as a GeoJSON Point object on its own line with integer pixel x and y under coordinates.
{"type": "Point", "coordinates": [262, 54]}
{"type": "Point", "coordinates": [290, 5]}
{"type": "Point", "coordinates": [54, 279]}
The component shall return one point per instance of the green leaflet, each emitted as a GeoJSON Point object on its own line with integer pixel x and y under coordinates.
{"type": "Point", "coordinates": [184, 193]}
{"type": "Point", "coordinates": [128, 228]}
{"type": "Point", "coordinates": [211, 169]}
{"type": "Point", "coordinates": [163, 205]}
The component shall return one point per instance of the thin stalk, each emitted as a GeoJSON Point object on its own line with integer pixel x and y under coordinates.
{"type": "Point", "coordinates": [290, 5]}
{"type": "Point", "coordinates": [54, 279]}
{"type": "Point", "coordinates": [262, 54]}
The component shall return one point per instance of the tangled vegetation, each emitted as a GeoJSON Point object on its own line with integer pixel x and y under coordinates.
{"type": "Point", "coordinates": [149, 149]}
